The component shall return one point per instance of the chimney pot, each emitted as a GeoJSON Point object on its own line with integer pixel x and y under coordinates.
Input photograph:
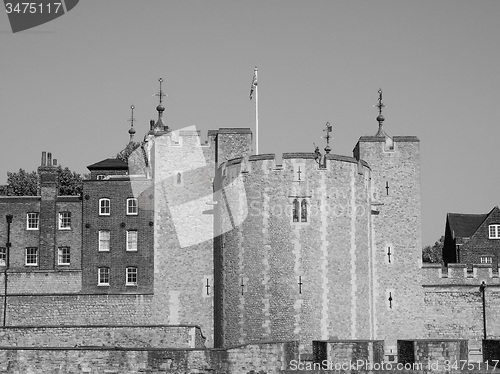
{"type": "Point", "coordinates": [49, 159]}
{"type": "Point", "coordinates": [44, 158]}
{"type": "Point", "coordinates": [54, 162]}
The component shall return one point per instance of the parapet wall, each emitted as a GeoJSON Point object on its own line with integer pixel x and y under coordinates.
{"type": "Point", "coordinates": [180, 337]}
{"type": "Point", "coordinates": [453, 303]}
{"type": "Point", "coordinates": [459, 274]}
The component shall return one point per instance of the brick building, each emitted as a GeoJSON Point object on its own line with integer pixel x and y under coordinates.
{"type": "Point", "coordinates": [472, 238]}
{"type": "Point", "coordinates": [46, 229]}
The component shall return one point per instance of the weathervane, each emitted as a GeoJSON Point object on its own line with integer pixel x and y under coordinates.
{"type": "Point", "coordinates": [131, 120]}
{"type": "Point", "coordinates": [328, 130]}
{"type": "Point", "coordinates": [317, 153]}
{"type": "Point", "coordinates": [160, 93]}
{"type": "Point", "coordinates": [380, 104]}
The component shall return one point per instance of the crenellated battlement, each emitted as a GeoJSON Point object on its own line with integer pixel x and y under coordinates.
{"type": "Point", "coordinates": [186, 138]}
{"type": "Point", "coordinates": [269, 162]}
{"type": "Point", "coordinates": [459, 274]}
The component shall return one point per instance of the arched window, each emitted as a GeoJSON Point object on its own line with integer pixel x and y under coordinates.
{"type": "Point", "coordinates": [179, 178]}
{"type": "Point", "coordinates": [296, 208]}
{"type": "Point", "coordinates": [303, 211]}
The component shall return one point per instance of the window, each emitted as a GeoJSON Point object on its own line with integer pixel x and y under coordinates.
{"type": "Point", "coordinates": [296, 208]}
{"type": "Point", "coordinates": [132, 207]}
{"type": "Point", "coordinates": [31, 256]}
{"type": "Point", "coordinates": [104, 207]}
{"type": "Point", "coordinates": [104, 238]}
{"type": "Point", "coordinates": [303, 211]}
{"type": "Point", "coordinates": [64, 220]}
{"type": "Point", "coordinates": [494, 231]}
{"type": "Point", "coordinates": [100, 177]}
{"type": "Point", "coordinates": [179, 178]}
{"type": "Point", "coordinates": [63, 256]}
{"type": "Point", "coordinates": [132, 240]}
{"type": "Point", "coordinates": [3, 256]}
{"type": "Point", "coordinates": [131, 276]}
{"type": "Point", "coordinates": [103, 277]}
{"type": "Point", "coordinates": [486, 259]}
{"type": "Point", "coordinates": [299, 210]}
{"type": "Point", "coordinates": [32, 221]}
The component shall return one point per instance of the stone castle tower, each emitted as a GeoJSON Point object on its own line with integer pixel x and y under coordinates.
{"type": "Point", "coordinates": [329, 248]}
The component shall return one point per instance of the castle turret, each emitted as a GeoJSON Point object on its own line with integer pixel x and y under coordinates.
{"type": "Point", "coordinates": [298, 267]}
{"type": "Point", "coordinates": [395, 232]}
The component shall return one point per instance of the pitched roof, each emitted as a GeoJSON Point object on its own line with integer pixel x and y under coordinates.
{"type": "Point", "coordinates": [465, 225]}
{"type": "Point", "coordinates": [109, 164]}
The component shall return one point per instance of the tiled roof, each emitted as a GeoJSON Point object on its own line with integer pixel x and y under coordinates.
{"type": "Point", "coordinates": [109, 164]}
{"type": "Point", "coordinates": [465, 225]}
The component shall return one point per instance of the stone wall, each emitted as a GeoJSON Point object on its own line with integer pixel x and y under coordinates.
{"type": "Point", "coordinates": [271, 357]}
{"type": "Point", "coordinates": [453, 303]}
{"type": "Point", "coordinates": [179, 337]}
{"type": "Point", "coordinates": [75, 309]}
{"type": "Point", "coordinates": [41, 282]}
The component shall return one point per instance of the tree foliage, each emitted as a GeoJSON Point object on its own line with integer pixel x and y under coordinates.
{"type": "Point", "coordinates": [434, 253]}
{"type": "Point", "coordinates": [23, 183]}
{"type": "Point", "coordinates": [70, 183]}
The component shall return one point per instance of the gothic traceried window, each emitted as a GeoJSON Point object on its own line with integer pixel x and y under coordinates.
{"type": "Point", "coordinates": [296, 208]}
{"type": "Point", "coordinates": [303, 211]}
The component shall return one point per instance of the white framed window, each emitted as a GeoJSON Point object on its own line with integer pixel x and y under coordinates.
{"type": "Point", "coordinates": [32, 221]}
{"type": "Point", "coordinates": [104, 207]}
{"type": "Point", "coordinates": [131, 276]}
{"type": "Point", "coordinates": [63, 256]}
{"type": "Point", "coordinates": [31, 256]}
{"type": "Point", "coordinates": [486, 259]}
{"type": "Point", "coordinates": [100, 177]}
{"type": "Point", "coordinates": [103, 276]}
{"type": "Point", "coordinates": [132, 240]}
{"type": "Point", "coordinates": [132, 207]}
{"type": "Point", "coordinates": [3, 256]}
{"type": "Point", "coordinates": [104, 239]}
{"type": "Point", "coordinates": [494, 231]}
{"type": "Point", "coordinates": [64, 220]}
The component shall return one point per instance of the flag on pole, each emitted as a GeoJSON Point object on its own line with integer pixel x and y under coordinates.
{"type": "Point", "coordinates": [254, 83]}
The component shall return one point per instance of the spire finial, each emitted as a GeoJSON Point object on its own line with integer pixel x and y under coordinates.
{"type": "Point", "coordinates": [131, 120]}
{"type": "Point", "coordinates": [160, 108]}
{"type": "Point", "coordinates": [328, 130]}
{"type": "Point", "coordinates": [380, 117]}
{"type": "Point", "coordinates": [160, 93]}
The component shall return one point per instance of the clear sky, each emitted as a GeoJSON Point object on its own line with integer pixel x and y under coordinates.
{"type": "Point", "coordinates": [66, 86]}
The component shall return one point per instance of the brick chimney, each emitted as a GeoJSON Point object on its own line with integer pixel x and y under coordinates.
{"type": "Point", "coordinates": [48, 190]}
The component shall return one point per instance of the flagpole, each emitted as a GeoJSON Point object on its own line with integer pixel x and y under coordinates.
{"type": "Point", "coordinates": [256, 117]}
